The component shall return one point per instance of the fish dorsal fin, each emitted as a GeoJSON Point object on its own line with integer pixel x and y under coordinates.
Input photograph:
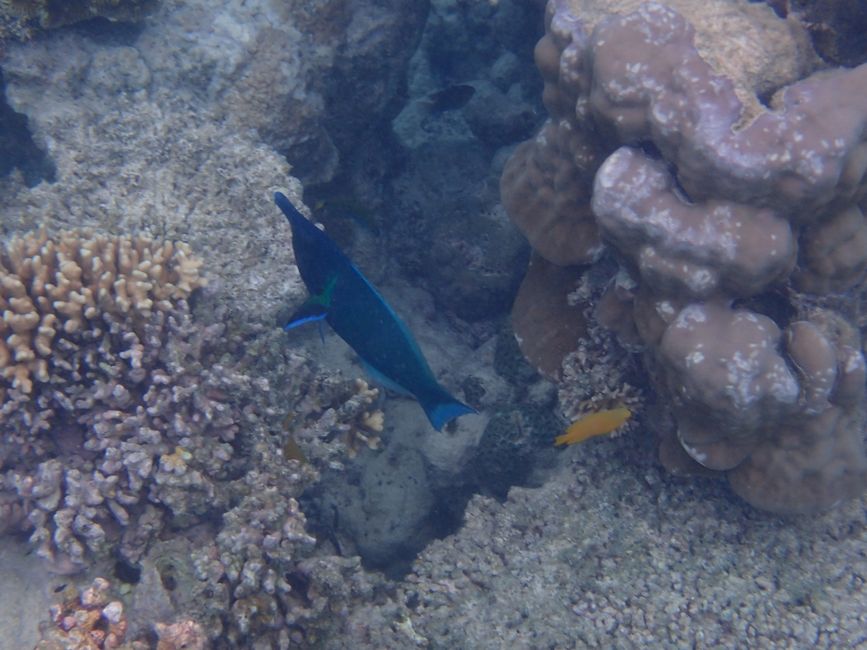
{"type": "Point", "coordinates": [315, 308]}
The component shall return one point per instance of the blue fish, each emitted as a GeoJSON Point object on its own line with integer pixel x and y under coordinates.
{"type": "Point", "coordinates": [343, 297]}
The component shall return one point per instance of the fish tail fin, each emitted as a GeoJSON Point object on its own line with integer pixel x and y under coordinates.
{"type": "Point", "coordinates": [443, 408]}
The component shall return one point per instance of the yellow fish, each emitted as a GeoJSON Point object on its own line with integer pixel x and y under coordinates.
{"type": "Point", "coordinates": [595, 424]}
{"type": "Point", "coordinates": [291, 449]}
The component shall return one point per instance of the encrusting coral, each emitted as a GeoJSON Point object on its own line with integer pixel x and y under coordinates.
{"type": "Point", "coordinates": [706, 198]}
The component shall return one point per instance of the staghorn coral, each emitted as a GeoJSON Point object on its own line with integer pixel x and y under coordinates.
{"type": "Point", "coordinates": [724, 200]}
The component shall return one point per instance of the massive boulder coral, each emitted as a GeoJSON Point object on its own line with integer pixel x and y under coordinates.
{"type": "Point", "coordinates": [546, 191]}
{"type": "Point", "coordinates": [687, 249]}
{"type": "Point", "coordinates": [782, 412]}
{"type": "Point", "coordinates": [707, 198]}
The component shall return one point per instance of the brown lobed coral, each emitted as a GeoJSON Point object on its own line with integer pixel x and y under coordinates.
{"type": "Point", "coordinates": [740, 226]}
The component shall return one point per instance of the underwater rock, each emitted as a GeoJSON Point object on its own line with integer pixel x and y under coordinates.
{"type": "Point", "coordinates": [511, 441]}
{"type": "Point", "coordinates": [50, 15]}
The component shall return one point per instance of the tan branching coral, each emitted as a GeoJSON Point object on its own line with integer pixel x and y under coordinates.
{"type": "Point", "coordinates": [66, 283]}
{"type": "Point", "coordinates": [108, 398]}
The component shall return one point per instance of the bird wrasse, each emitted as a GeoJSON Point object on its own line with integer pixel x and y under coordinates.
{"type": "Point", "coordinates": [595, 424]}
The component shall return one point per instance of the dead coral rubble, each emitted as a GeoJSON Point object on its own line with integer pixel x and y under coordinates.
{"type": "Point", "coordinates": [85, 619]}
{"type": "Point", "coordinates": [724, 201]}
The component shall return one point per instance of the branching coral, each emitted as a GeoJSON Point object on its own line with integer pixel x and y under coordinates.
{"type": "Point", "coordinates": [143, 418]}
{"type": "Point", "coordinates": [106, 401]}
{"type": "Point", "coordinates": [262, 569]}
{"type": "Point", "coordinates": [66, 284]}
{"type": "Point", "coordinates": [337, 418]}
{"type": "Point", "coordinates": [254, 553]}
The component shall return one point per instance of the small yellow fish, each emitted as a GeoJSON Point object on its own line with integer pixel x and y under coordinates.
{"type": "Point", "coordinates": [595, 424]}
{"type": "Point", "coordinates": [291, 449]}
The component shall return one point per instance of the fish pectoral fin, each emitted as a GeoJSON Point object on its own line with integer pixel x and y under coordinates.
{"type": "Point", "coordinates": [310, 312]}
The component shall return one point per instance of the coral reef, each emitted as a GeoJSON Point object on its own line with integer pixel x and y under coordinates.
{"type": "Point", "coordinates": [611, 552]}
{"type": "Point", "coordinates": [104, 401]}
{"type": "Point", "coordinates": [157, 128]}
{"type": "Point", "coordinates": [86, 619]}
{"type": "Point", "coordinates": [130, 425]}
{"type": "Point", "coordinates": [245, 100]}
{"type": "Point", "coordinates": [659, 147]}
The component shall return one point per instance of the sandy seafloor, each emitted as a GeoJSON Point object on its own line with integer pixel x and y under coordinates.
{"type": "Point", "coordinates": [607, 550]}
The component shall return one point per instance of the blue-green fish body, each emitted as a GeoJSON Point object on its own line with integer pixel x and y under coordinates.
{"type": "Point", "coordinates": [356, 311]}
